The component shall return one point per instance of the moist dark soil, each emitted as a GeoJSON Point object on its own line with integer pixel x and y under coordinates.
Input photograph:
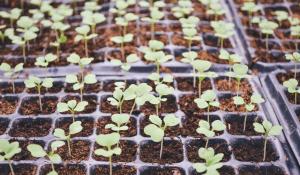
{"type": "Point", "coordinates": [213, 41]}
{"type": "Point", "coordinates": [291, 97]}
{"type": "Point", "coordinates": [227, 104]}
{"type": "Point", "coordinates": [219, 145]}
{"type": "Point", "coordinates": [225, 170]}
{"type": "Point", "coordinates": [88, 88]}
{"type": "Point", "coordinates": [178, 39]}
{"type": "Point", "coordinates": [223, 84]}
{"type": "Point", "coordinates": [4, 122]}
{"type": "Point", "coordinates": [29, 127]}
{"type": "Point", "coordinates": [20, 169]}
{"type": "Point", "coordinates": [261, 170]}
{"type": "Point", "coordinates": [129, 152]}
{"type": "Point", "coordinates": [147, 37]}
{"type": "Point", "coordinates": [282, 77]}
{"type": "Point", "coordinates": [91, 99]}
{"type": "Point", "coordinates": [25, 154]}
{"type": "Point", "coordinates": [80, 150]}
{"type": "Point", "coordinates": [74, 169]}
{"type": "Point", "coordinates": [235, 125]}
{"type": "Point", "coordinates": [252, 150]}
{"type": "Point", "coordinates": [57, 86]}
{"type": "Point", "coordinates": [7, 88]}
{"type": "Point", "coordinates": [188, 106]}
{"type": "Point", "coordinates": [162, 171]}
{"type": "Point", "coordinates": [190, 123]}
{"type": "Point", "coordinates": [186, 84]}
{"type": "Point", "coordinates": [109, 85]}
{"type": "Point", "coordinates": [8, 105]}
{"type": "Point", "coordinates": [169, 106]}
{"type": "Point", "coordinates": [132, 127]}
{"type": "Point", "coordinates": [30, 105]}
{"type": "Point", "coordinates": [169, 132]}
{"type": "Point", "coordinates": [117, 170]}
{"type": "Point", "coordinates": [86, 122]}
{"type": "Point", "coordinates": [106, 107]}
{"type": "Point", "coordinates": [269, 57]}
{"type": "Point", "coordinates": [172, 152]}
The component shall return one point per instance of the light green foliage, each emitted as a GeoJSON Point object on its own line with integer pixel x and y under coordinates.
{"type": "Point", "coordinates": [118, 95]}
{"type": "Point", "coordinates": [212, 162]}
{"type": "Point", "coordinates": [184, 8]}
{"type": "Point", "coordinates": [189, 57]}
{"type": "Point", "coordinates": [91, 6]}
{"type": "Point", "coordinates": [121, 6]}
{"type": "Point", "coordinates": [59, 28]}
{"type": "Point", "coordinates": [206, 100]}
{"type": "Point", "coordinates": [294, 21]}
{"type": "Point", "coordinates": [239, 72]}
{"type": "Point", "coordinates": [295, 57]}
{"type": "Point", "coordinates": [209, 130]}
{"type": "Point", "coordinates": [130, 59]}
{"type": "Point", "coordinates": [155, 16]}
{"type": "Point", "coordinates": [7, 151]}
{"type": "Point", "coordinates": [83, 34]}
{"type": "Point", "coordinates": [208, 2]}
{"type": "Point", "coordinates": [281, 15]}
{"type": "Point", "coordinates": [215, 9]}
{"type": "Point", "coordinates": [120, 121]}
{"type": "Point", "coordinates": [292, 87]}
{"type": "Point", "coordinates": [155, 77]}
{"type": "Point", "coordinates": [122, 39]}
{"type": "Point", "coordinates": [162, 90]}
{"type": "Point", "coordinates": [81, 62]}
{"type": "Point", "coordinates": [12, 15]}
{"type": "Point", "coordinates": [10, 72]}
{"type": "Point", "coordinates": [92, 19]}
{"type": "Point", "coordinates": [43, 61]}
{"type": "Point", "coordinates": [125, 19]}
{"type": "Point", "coordinates": [223, 30]}
{"type": "Point", "coordinates": [156, 4]}
{"type": "Point", "coordinates": [189, 22]}
{"type": "Point", "coordinates": [72, 106]}
{"type": "Point", "coordinates": [267, 27]}
{"type": "Point", "coordinates": [232, 58]}
{"type": "Point", "coordinates": [250, 7]}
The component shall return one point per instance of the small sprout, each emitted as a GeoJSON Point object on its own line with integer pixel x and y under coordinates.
{"type": "Point", "coordinates": [72, 106]}
{"type": "Point", "coordinates": [212, 162]}
{"type": "Point", "coordinates": [294, 21]}
{"type": "Point", "coordinates": [74, 128]}
{"type": "Point", "coordinates": [292, 85]}
{"type": "Point", "coordinates": [231, 58]}
{"type": "Point", "coordinates": [190, 34]}
{"type": "Point", "coordinates": [121, 6]}
{"type": "Point", "coordinates": [281, 16]}
{"type": "Point", "coordinates": [108, 141]}
{"type": "Point", "coordinates": [38, 152]}
{"type": "Point", "coordinates": [295, 57]}
{"type": "Point", "coordinates": [44, 61]}
{"type": "Point", "coordinates": [81, 62]}
{"type": "Point", "coordinates": [118, 96]}
{"type": "Point", "coordinates": [206, 100]}
{"type": "Point", "coordinates": [215, 9]}
{"type": "Point", "coordinates": [267, 129]}
{"type": "Point", "coordinates": [130, 59]}
{"type": "Point", "coordinates": [162, 90]}
{"type": "Point", "coordinates": [120, 121]}
{"type": "Point", "coordinates": [209, 130]}
{"type": "Point", "coordinates": [183, 9]}
{"type": "Point", "coordinates": [92, 19]}
{"type": "Point", "coordinates": [36, 82]}
{"type": "Point", "coordinates": [155, 16]}
{"type": "Point", "coordinates": [7, 151]}
{"type": "Point", "coordinates": [190, 57]}
{"type": "Point", "coordinates": [12, 15]}
{"type": "Point", "coordinates": [156, 130]}
{"type": "Point", "coordinates": [157, 80]}
{"type": "Point", "coordinates": [83, 34]}
{"type": "Point", "coordinates": [239, 72]}
{"type": "Point", "coordinates": [255, 100]}
{"type": "Point", "coordinates": [223, 30]}
{"type": "Point", "coordinates": [208, 2]}
{"type": "Point", "coordinates": [61, 38]}
{"type": "Point", "coordinates": [251, 8]}
{"type": "Point", "coordinates": [12, 73]}
{"type": "Point", "coordinates": [267, 28]}
{"type": "Point", "coordinates": [202, 67]}
{"type": "Point", "coordinates": [122, 40]}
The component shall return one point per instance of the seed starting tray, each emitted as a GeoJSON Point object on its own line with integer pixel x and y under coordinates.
{"type": "Point", "coordinates": [284, 162]}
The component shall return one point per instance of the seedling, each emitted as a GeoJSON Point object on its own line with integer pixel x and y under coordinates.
{"type": "Point", "coordinates": [190, 22]}
{"type": "Point", "coordinates": [61, 38]}
{"type": "Point", "coordinates": [39, 152]}
{"type": "Point", "coordinates": [155, 77]}
{"type": "Point", "coordinates": [123, 21]}
{"type": "Point", "coordinates": [130, 59]}
{"type": "Point", "coordinates": [281, 16]}
{"type": "Point", "coordinates": [208, 2]}
{"type": "Point", "coordinates": [92, 19]}
{"type": "Point", "coordinates": [121, 6]}
{"type": "Point", "coordinates": [72, 106]}
{"type": "Point", "coordinates": [267, 28]}
{"type": "Point", "coordinates": [183, 9]}
{"type": "Point", "coordinates": [267, 129]}
{"type": "Point", "coordinates": [212, 162]}
{"type": "Point", "coordinates": [190, 34]}
{"type": "Point", "coordinates": [120, 121]}
{"type": "Point", "coordinates": [108, 141]}
{"type": "Point", "coordinates": [295, 57]}
{"type": "Point", "coordinates": [91, 6]}
{"type": "Point", "coordinates": [7, 151]}
{"type": "Point", "coordinates": [12, 73]}
{"type": "Point", "coordinates": [118, 96]}
{"type": "Point", "coordinates": [255, 100]}
{"type": "Point", "coordinates": [74, 128]}
{"type": "Point", "coordinates": [202, 67]}
{"type": "Point", "coordinates": [216, 10]}
{"type": "Point", "coordinates": [81, 62]}
{"type": "Point", "coordinates": [209, 130]}
{"type": "Point", "coordinates": [122, 40]}
{"type": "Point", "coordinates": [231, 58]}
{"type": "Point", "coordinates": [189, 58]}
{"type": "Point", "coordinates": [36, 82]}
{"type": "Point", "coordinates": [156, 129]}
{"type": "Point", "coordinates": [150, 4]}
{"type": "Point", "coordinates": [223, 30]}
{"type": "Point", "coordinates": [154, 53]}
{"type": "Point", "coordinates": [292, 85]}
{"type": "Point", "coordinates": [155, 16]}
{"type": "Point", "coordinates": [83, 34]}
{"type": "Point", "coordinates": [295, 31]}
{"type": "Point", "coordinates": [162, 90]}
{"type": "Point", "coordinates": [44, 61]}
{"type": "Point", "coordinates": [239, 72]}
{"type": "Point", "coordinates": [12, 15]}
{"type": "Point", "coordinates": [251, 8]}
{"type": "Point", "coordinates": [207, 100]}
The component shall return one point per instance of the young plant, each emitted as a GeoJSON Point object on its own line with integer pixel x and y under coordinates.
{"type": "Point", "coordinates": [72, 106]}
{"type": "Point", "coordinates": [12, 15]}
{"type": "Point", "coordinates": [251, 8]}
{"type": "Point", "coordinates": [268, 130]}
{"type": "Point", "coordinates": [223, 30]}
{"type": "Point", "coordinates": [267, 28]}
{"type": "Point", "coordinates": [295, 32]}
{"type": "Point", "coordinates": [121, 6]}
{"type": "Point", "coordinates": [12, 73]}
{"type": "Point", "coordinates": [44, 61]}
{"type": "Point", "coordinates": [36, 82]}
{"type": "Point", "coordinates": [150, 4]}
{"type": "Point", "coordinates": [60, 36]}
{"type": "Point", "coordinates": [281, 16]}
{"type": "Point", "coordinates": [207, 100]}
{"type": "Point", "coordinates": [255, 100]}
{"type": "Point", "coordinates": [74, 128]}
{"type": "Point", "coordinates": [91, 6]}
{"type": "Point", "coordinates": [83, 34]}
{"type": "Point", "coordinates": [184, 8]}
{"type": "Point", "coordinates": [118, 96]}
{"type": "Point", "coordinates": [155, 77]}
{"type": "Point", "coordinates": [156, 129]}
{"type": "Point", "coordinates": [92, 19]}
{"type": "Point", "coordinates": [120, 121]}
{"type": "Point", "coordinates": [189, 58]}
{"type": "Point", "coordinates": [38, 152]}
{"type": "Point", "coordinates": [7, 151]}
{"type": "Point", "coordinates": [208, 130]}
{"type": "Point", "coordinates": [212, 162]}
{"type": "Point", "coordinates": [108, 141]}
{"type": "Point", "coordinates": [162, 90]}
{"type": "Point", "coordinates": [122, 40]}
{"type": "Point", "coordinates": [155, 16]}
{"type": "Point", "coordinates": [239, 72]}
{"type": "Point", "coordinates": [124, 20]}
{"type": "Point", "coordinates": [190, 34]}
{"type": "Point", "coordinates": [81, 62]}
{"type": "Point", "coordinates": [295, 57]}
{"type": "Point", "coordinates": [292, 86]}
{"type": "Point", "coordinates": [231, 58]}
{"type": "Point", "coordinates": [216, 10]}
{"type": "Point", "coordinates": [130, 59]}
{"type": "Point", "coordinates": [190, 22]}
{"type": "Point", "coordinates": [202, 67]}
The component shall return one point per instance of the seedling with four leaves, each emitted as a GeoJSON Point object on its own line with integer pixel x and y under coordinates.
{"type": "Point", "coordinates": [72, 106]}
{"type": "Point", "coordinates": [12, 73]}
{"type": "Point", "coordinates": [7, 151]}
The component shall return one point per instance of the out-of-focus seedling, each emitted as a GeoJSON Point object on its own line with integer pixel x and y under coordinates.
{"type": "Point", "coordinates": [251, 8]}
{"type": "Point", "coordinates": [162, 90]}
{"type": "Point", "coordinates": [267, 28]}
{"type": "Point", "coordinates": [281, 16]}
{"type": "Point", "coordinates": [44, 61]}
{"type": "Point", "coordinates": [12, 15]}
{"type": "Point", "coordinates": [155, 16]}
{"type": "Point", "coordinates": [183, 8]}
{"type": "Point", "coordinates": [292, 86]}
{"type": "Point", "coordinates": [223, 30]}
{"type": "Point", "coordinates": [72, 106]}
{"type": "Point", "coordinates": [189, 58]}
{"type": "Point", "coordinates": [130, 59]}
{"type": "Point", "coordinates": [83, 34]}
{"type": "Point", "coordinates": [295, 57]}
{"type": "Point", "coordinates": [12, 73]}
{"type": "Point", "coordinates": [240, 71]}
{"type": "Point", "coordinates": [7, 151]}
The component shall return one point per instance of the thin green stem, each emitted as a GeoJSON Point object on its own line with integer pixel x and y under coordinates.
{"type": "Point", "coordinates": [132, 108]}
{"type": "Point", "coordinates": [267, 40]}
{"type": "Point", "coordinates": [52, 166]}
{"type": "Point", "coordinates": [208, 111]}
{"type": "Point", "coordinates": [161, 148]}
{"type": "Point", "coordinates": [295, 69]}
{"type": "Point", "coordinates": [81, 94]}
{"type": "Point", "coordinates": [245, 123]}
{"type": "Point", "coordinates": [120, 106]}
{"type": "Point", "coordinates": [73, 116]}
{"type": "Point", "coordinates": [222, 43]}
{"type": "Point", "coordinates": [69, 146]}
{"type": "Point", "coordinates": [157, 68]}
{"type": "Point", "coordinates": [295, 96]}
{"type": "Point", "coordinates": [122, 51]}
{"type": "Point", "coordinates": [200, 87]}
{"type": "Point", "coordinates": [206, 144]}
{"type": "Point", "coordinates": [238, 86]}
{"type": "Point", "coordinates": [24, 52]}
{"type": "Point", "coordinates": [86, 48]}
{"type": "Point", "coordinates": [152, 25]}
{"type": "Point", "coordinates": [40, 98]}
{"type": "Point", "coordinates": [190, 45]}
{"type": "Point", "coordinates": [13, 85]}
{"type": "Point", "coordinates": [157, 109]}
{"type": "Point", "coordinates": [194, 77]}
{"type": "Point", "coordinates": [110, 165]}
{"type": "Point", "coordinates": [265, 149]}
{"type": "Point", "coordinates": [11, 167]}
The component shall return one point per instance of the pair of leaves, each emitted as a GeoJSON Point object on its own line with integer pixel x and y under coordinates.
{"type": "Point", "coordinates": [122, 39]}
{"type": "Point", "coordinates": [44, 61]}
{"type": "Point", "coordinates": [72, 106]}
{"type": "Point", "coordinates": [74, 128]}
{"type": "Point", "coordinates": [89, 78]}
{"type": "Point", "coordinates": [292, 85]}
{"type": "Point", "coordinates": [267, 128]}
{"type": "Point", "coordinates": [223, 29]}
{"type": "Point", "coordinates": [208, 98]}
{"type": "Point", "coordinates": [267, 27]}
{"type": "Point", "coordinates": [119, 120]}
{"type": "Point", "coordinates": [34, 81]}
{"type": "Point", "coordinates": [130, 59]}
{"type": "Point", "coordinates": [108, 140]}
{"type": "Point", "coordinates": [8, 149]}
{"type": "Point", "coordinates": [239, 71]}
{"type": "Point", "coordinates": [232, 58]}
{"type": "Point", "coordinates": [209, 130]}
{"type": "Point", "coordinates": [38, 152]}
{"type": "Point", "coordinates": [9, 71]}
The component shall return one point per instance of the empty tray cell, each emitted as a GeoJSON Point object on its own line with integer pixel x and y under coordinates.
{"type": "Point", "coordinates": [28, 127]}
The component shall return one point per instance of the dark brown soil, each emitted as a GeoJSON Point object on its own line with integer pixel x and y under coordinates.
{"type": "Point", "coordinates": [235, 125]}
{"type": "Point", "coordinates": [223, 84]}
{"type": "Point", "coordinates": [186, 84]}
{"type": "Point", "coordinates": [282, 77]}
{"type": "Point", "coordinates": [269, 57]}
{"type": "Point", "coordinates": [80, 150]}
{"type": "Point", "coordinates": [4, 122]}
{"type": "Point", "coordinates": [169, 106]}
{"type": "Point", "coordinates": [132, 127]}
{"type": "Point", "coordinates": [74, 169]}
{"type": "Point", "coordinates": [188, 106]}
{"type": "Point", "coordinates": [162, 171]}
{"type": "Point", "coordinates": [227, 104]}
{"type": "Point", "coordinates": [109, 85]}
{"type": "Point", "coordinates": [86, 122]}
{"type": "Point", "coordinates": [20, 169]}
{"type": "Point", "coordinates": [25, 154]}
{"type": "Point", "coordinates": [91, 99]}
{"type": "Point", "coordinates": [219, 145]}
{"type": "Point", "coordinates": [117, 170]}
{"type": "Point", "coordinates": [129, 152]}
{"type": "Point", "coordinates": [213, 41]}
{"type": "Point", "coordinates": [172, 152]}
{"type": "Point", "coordinates": [261, 170]}
{"type": "Point", "coordinates": [7, 88]}
{"type": "Point", "coordinates": [252, 150]}
{"type": "Point", "coordinates": [30, 105]}
{"type": "Point", "coordinates": [28, 127]}
{"type": "Point", "coordinates": [106, 107]}
{"type": "Point", "coordinates": [291, 97]}
{"type": "Point", "coordinates": [8, 105]}
{"type": "Point", "coordinates": [225, 170]}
